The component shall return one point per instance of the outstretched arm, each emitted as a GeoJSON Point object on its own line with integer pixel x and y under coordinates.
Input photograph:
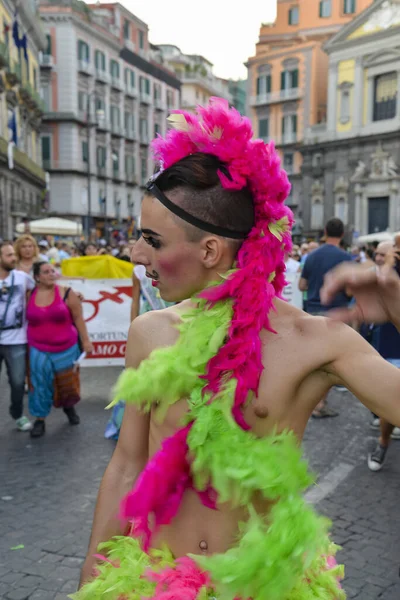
{"type": "Point", "coordinates": [357, 366]}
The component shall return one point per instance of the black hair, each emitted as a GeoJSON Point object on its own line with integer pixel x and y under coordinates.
{"type": "Point", "coordinates": [334, 228]}
{"type": "Point", "coordinates": [36, 268]}
{"type": "Point", "coordinates": [195, 186]}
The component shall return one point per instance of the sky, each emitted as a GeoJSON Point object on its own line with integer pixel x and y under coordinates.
{"type": "Point", "coordinates": [213, 28]}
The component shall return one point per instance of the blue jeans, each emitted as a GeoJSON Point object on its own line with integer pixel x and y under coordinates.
{"type": "Point", "coordinates": [15, 358]}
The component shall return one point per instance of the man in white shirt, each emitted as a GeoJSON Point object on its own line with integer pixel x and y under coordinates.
{"type": "Point", "coordinates": [14, 286]}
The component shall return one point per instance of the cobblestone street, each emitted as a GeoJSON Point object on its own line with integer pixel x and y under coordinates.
{"type": "Point", "coordinates": [48, 489]}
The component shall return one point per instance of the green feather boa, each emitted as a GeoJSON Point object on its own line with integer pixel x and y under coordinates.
{"type": "Point", "coordinates": [279, 557]}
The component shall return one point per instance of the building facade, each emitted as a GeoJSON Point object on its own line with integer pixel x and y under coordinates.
{"type": "Point", "coordinates": [238, 91]}
{"type": "Point", "coordinates": [287, 83]}
{"type": "Point", "coordinates": [106, 101]}
{"type": "Point", "coordinates": [198, 82]}
{"type": "Point", "coordinates": [22, 179]}
{"type": "Point", "coordinates": [351, 162]}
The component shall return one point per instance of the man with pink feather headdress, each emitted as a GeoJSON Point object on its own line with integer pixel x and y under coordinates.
{"type": "Point", "coordinates": [203, 495]}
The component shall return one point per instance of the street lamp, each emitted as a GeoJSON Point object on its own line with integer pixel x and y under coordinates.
{"type": "Point", "coordinates": [99, 113]}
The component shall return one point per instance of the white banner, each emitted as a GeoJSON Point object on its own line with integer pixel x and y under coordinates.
{"type": "Point", "coordinates": [106, 310]}
{"type": "Point", "coordinates": [291, 292]}
{"type": "Point", "coordinates": [107, 307]}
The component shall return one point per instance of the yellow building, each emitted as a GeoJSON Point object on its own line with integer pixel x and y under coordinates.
{"type": "Point", "coordinates": [22, 187]}
{"type": "Point", "coordinates": [287, 83]}
{"type": "Point", "coordinates": [350, 166]}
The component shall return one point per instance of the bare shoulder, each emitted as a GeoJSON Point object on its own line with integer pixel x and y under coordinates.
{"type": "Point", "coordinates": [319, 337]}
{"type": "Point", "coordinates": [154, 329]}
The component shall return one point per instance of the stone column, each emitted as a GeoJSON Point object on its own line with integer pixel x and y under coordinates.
{"type": "Point", "coordinates": [332, 97]}
{"type": "Point", "coordinates": [358, 96]}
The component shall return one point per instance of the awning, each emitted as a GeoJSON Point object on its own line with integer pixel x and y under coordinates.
{"type": "Point", "coordinates": [51, 226]}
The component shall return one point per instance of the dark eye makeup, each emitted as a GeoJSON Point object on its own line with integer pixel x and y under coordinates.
{"type": "Point", "coordinates": [151, 241]}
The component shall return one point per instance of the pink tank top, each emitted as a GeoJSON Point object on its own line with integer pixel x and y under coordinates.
{"type": "Point", "coordinates": [50, 328]}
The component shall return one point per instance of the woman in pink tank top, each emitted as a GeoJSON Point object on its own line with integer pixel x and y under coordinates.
{"type": "Point", "coordinates": [55, 324]}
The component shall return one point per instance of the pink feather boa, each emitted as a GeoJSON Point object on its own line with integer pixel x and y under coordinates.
{"type": "Point", "coordinates": [259, 278]}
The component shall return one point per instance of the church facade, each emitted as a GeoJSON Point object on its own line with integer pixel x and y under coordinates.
{"type": "Point", "coordinates": [351, 163]}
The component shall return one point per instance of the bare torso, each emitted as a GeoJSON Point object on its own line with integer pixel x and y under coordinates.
{"type": "Point", "coordinates": [291, 385]}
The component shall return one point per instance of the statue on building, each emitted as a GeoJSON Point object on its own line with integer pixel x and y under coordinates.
{"type": "Point", "coordinates": [360, 171]}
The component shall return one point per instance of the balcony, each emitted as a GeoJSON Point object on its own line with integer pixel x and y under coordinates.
{"type": "Point", "coordinates": [117, 130]}
{"type": "Point", "coordinates": [160, 104]}
{"type": "Point", "coordinates": [46, 61]}
{"type": "Point", "coordinates": [145, 98]}
{"type": "Point", "coordinates": [103, 124]}
{"type": "Point", "coordinates": [276, 97]}
{"type": "Point", "coordinates": [317, 134]}
{"type": "Point", "coordinates": [116, 83]}
{"type": "Point", "coordinates": [131, 178]}
{"type": "Point", "coordinates": [102, 76]}
{"type": "Point", "coordinates": [144, 138]}
{"type": "Point", "coordinates": [4, 55]}
{"type": "Point", "coordinates": [291, 94]}
{"type": "Point", "coordinates": [101, 171]}
{"type": "Point", "coordinates": [85, 67]}
{"type": "Point", "coordinates": [130, 90]}
{"type": "Point", "coordinates": [13, 73]}
{"type": "Point", "coordinates": [65, 165]}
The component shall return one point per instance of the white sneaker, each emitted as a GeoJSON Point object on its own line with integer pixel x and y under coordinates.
{"type": "Point", "coordinates": [23, 424]}
{"type": "Point", "coordinates": [396, 433]}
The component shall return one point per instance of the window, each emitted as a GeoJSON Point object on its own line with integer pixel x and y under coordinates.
{"type": "Point", "coordinates": [349, 7]}
{"type": "Point", "coordinates": [129, 165]}
{"type": "Point", "coordinates": [263, 129]}
{"type": "Point", "coordinates": [83, 51]}
{"type": "Point", "coordinates": [100, 60]}
{"type": "Point", "coordinates": [145, 85]}
{"type": "Point", "coordinates": [157, 91]}
{"type": "Point", "coordinates": [317, 214]}
{"type": "Point", "coordinates": [85, 153]}
{"type": "Point", "coordinates": [127, 30]}
{"type": "Point", "coordinates": [46, 95]}
{"type": "Point", "coordinates": [290, 79]}
{"type": "Point", "coordinates": [48, 50]}
{"type": "Point", "coordinates": [288, 162]}
{"type": "Point", "coordinates": [345, 106]}
{"type": "Point", "coordinates": [289, 129]}
{"type": "Point", "coordinates": [35, 78]}
{"type": "Point", "coordinates": [46, 151]}
{"type": "Point", "coordinates": [100, 107]}
{"type": "Point", "coordinates": [385, 96]}
{"type": "Point", "coordinates": [82, 101]}
{"type": "Point", "coordinates": [341, 209]}
{"type": "Point", "coordinates": [157, 129]}
{"type": "Point", "coordinates": [141, 40]}
{"type": "Point", "coordinates": [144, 128]}
{"type": "Point", "coordinates": [325, 9]}
{"type": "Point", "coordinates": [264, 84]}
{"type": "Point", "coordinates": [115, 161]}
{"type": "Point", "coordinates": [170, 99]}
{"type": "Point", "coordinates": [101, 156]}
{"type": "Point", "coordinates": [115, 116]}
{"type": "Point", "coordinates": [294, 15]}
{"type": "Point", "coordinates": [130, 78]}
{"type": "Point", "coordinates": [114, 69]}
{"type": "Point", "coordinates": [143, 165]}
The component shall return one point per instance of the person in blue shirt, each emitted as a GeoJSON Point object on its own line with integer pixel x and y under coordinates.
{"type": "Point", "coordinates": [318, 264]}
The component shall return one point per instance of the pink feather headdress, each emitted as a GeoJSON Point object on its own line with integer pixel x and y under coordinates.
{"type": "Point", "coordinates": [222, 131]}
